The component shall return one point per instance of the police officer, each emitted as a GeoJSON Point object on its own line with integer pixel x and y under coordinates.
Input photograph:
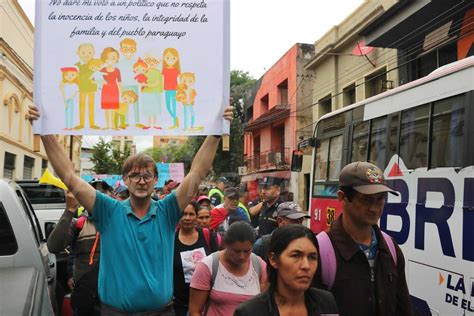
{"type": "Point", "coordinates": [216, 195]}
{"type": "Point", "coordinates": [270, 195]}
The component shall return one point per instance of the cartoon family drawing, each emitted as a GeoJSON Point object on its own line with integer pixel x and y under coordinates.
{"type": "Point", "coordinates": [125, 81]}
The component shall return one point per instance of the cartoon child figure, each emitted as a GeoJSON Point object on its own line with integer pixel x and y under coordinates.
{"type": "Point", "coordinates": [95, 65]}
{"type": "Point", "coordinates": [69, 90]}
{"type": "Point", "coordinates": [186, 94]}
{"type": "Point", "coordinates": [151, 99]}
{"type": "Point", "coordinates": [140, 68]}
{"type": "Point", "coordinates": [129, 97]}
{"type": "Point", "coordinates": [171, 70]}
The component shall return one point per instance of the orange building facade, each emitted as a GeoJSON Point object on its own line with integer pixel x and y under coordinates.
{"type": "Point", "coordinates": [275, 113]}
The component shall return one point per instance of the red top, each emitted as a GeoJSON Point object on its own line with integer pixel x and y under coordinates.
{"type": "Point", "coordinates": [218, 215]}
{"type": "Point", "coordinates": [170, 76]}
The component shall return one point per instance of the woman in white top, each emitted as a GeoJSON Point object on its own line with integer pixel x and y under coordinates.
{"type": "Point", "coordinates": [229, 277]}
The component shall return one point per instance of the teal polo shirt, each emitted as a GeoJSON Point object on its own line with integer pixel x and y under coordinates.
{"type": "Point", "coordinates": [136, 255]}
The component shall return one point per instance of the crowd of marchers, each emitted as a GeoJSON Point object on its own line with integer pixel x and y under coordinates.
{"type": "Point", "coordinates": [193, 251]}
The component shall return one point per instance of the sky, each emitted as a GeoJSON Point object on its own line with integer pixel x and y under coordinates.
{"type": "Point", "coordinates": [262, 31]}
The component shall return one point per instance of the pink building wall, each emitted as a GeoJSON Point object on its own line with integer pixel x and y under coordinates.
{"type": "Point", "coordinates": [284, 69]}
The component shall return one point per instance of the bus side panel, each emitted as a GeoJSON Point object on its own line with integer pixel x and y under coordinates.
{"type": "Point", "coordinates": [323, 212]}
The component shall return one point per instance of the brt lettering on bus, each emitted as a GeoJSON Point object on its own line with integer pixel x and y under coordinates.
{"type": "Point", "coordinates": [428, 215]}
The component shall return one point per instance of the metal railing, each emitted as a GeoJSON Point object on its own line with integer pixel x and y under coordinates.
{"type": "Point", "coordinates": [279, 159]}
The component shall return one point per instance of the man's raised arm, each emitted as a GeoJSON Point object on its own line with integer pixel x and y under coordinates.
{"type": "Point", "coordinates": [200, 166]}
{"type": "Point", "coordinates": [64, 167]}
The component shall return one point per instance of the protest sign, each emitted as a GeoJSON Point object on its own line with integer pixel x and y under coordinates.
{"type": "Point", "coordinates": [169, 171]}
{"type": "Point", "coordinates": [131, 67]}
{"type": "Point", "coordinates": [166, 171]}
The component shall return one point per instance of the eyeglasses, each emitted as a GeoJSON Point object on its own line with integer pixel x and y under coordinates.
{"type": "Point", "coordinates": [136, 177]}
{"type": "Point", "coordinates": [126, 49]}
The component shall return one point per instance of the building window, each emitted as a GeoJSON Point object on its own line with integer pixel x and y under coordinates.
{"type": "Point", "coordinates": [9, 165]}
{"type": "Point", "coordinates": [264, 104]}
{"type": "Point", "coordinates": [325, 106]}
{"type": "Point", "coordinates": [283, 94]}
{"type": "Point", "coordinates": [249, 114]}
{"type": "Point", "coordinates": [349, 95]}
{"type": "Point", "coordinates": [28, 166]}
{"type": "Point", "coordinates": [376, 83]}
{"type": "Point", "coordinates": [44, 165]}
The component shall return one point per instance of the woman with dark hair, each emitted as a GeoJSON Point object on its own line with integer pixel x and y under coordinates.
{"type": "Point", "coordinates": [293, 260]}
{"type": "Point", "coordinates": [192, 244]}
{"type": "Point", "coordinates": [228, 277]}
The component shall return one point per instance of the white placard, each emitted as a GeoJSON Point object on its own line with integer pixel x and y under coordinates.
{"type": "Point", "coordinates": [132, 67]}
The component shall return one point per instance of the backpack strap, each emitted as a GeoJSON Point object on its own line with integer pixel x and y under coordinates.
{"type": "Point", "coordinates": [215, 266]}
{"type": "Point", "coordinates": [207, 237]}
{"type": "Point", "coordinates": [328, 259]}
{"type": "Point", "coordinates": [94, 248]}
{"type": "Point", "coordinates": [391, 246]}
{"type": "Point", "coordinates": [256, 265]}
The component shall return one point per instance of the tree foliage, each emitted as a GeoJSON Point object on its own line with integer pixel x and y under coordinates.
{"type": "Point", "coordinates": [119, 157]}
{"type": "Point", "coordinates": [107, 157]}
{"type": "Point", "coordinates": [227, 162]}
{"type": "Point", "coordinates": [101, 157]}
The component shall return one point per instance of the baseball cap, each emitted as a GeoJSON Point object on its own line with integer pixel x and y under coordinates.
{"type": "Point", "coordinates": [271, 181]}
{"type": "Point", "coordinates": [232, 193]}
{"type": "Point", "coordinates": [364, 177]}
{"type": "Point", "coordinates": [222, 179]}
{"type": "Point", "coordinates": [95, 183]}
{"type": "Point", "coordinates": [202, 198]}
{"type": "Point", "coordinates": [172, 185]}
{"type": "Point", "coordinates": [290, 210]}
{"type": "Point", "coordinates": [120, 189]}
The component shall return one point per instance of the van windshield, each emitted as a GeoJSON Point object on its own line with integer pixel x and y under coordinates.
{"type": "Point", "coordinates": [44, 194]}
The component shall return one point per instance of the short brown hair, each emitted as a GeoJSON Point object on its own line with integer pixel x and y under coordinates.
{"type": "Point", "coordinates": [128, 41]}
{"type": "Point", "coordinates": [107, 51]}
{"type": "Point", "coordinates": [138, 160]}
{"type": "Point", "coordinates": [130, 94]}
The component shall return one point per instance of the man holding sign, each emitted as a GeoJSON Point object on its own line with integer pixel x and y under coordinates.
{"type": "Point", "coordinates": [137, 235]}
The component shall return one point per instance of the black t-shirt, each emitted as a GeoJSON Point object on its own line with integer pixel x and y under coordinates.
{"type": "Point", "coordinates": [267, 224]}
{"type": "Point", "coordinates": [185, 260]}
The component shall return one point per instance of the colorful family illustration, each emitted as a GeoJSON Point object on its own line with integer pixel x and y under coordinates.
{"type": "Point", "coordinates": [125, 81]}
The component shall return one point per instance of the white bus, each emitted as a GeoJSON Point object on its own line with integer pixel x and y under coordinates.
{"type": "Point", "coordinates": [422, 135]}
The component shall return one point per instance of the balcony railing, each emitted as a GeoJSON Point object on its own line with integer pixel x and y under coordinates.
{"type": "Point", "coordinates": [279, 159]}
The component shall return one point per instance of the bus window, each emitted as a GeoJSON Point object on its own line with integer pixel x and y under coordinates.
{"type": "Point", "coordinates": [393, 137]}
{"type": "Point", "coordinates": [321, 161]}
{"type": "Point", "coordinates": [414, 137]}
{"type": "Point", "coordinates": [335, 157]}
{"type": "Point", "coordinates": [360, 141]}
{"type": "Point", "coordinates": [448, 131]}
{"type": "Point", "coordinates": [336, 123]}
{"type": "Point", "coordinates": [378, 141]}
